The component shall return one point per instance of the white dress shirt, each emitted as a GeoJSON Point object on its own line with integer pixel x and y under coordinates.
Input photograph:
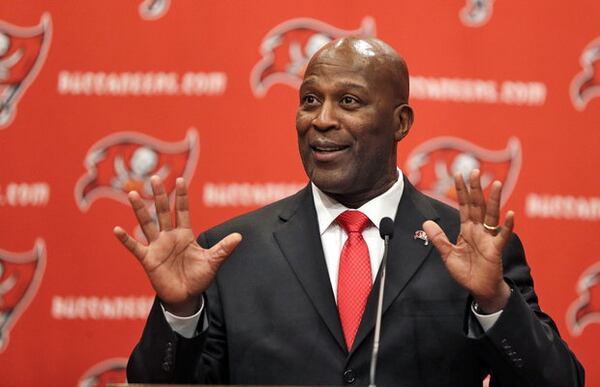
{"type": "Point", "coordinates": [333, 238]}
{"type": "Point", "coordinates": [333, 235]}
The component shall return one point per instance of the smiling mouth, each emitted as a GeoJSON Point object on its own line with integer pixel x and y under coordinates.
{"type": "Point", "coordinates": [327, 153]}
{"type": "Point", "coordinates": [328, 148]}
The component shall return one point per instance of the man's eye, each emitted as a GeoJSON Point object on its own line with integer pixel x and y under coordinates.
{"type": "Point", "coordinates": [347, 100]}
{"type": "Point", "coordinates": [309, 99]}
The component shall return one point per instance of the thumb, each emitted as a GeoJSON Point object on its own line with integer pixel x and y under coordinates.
{"type": "Point", "coordinates": [438, 238]}
{"type": "Point", "coordinates": [219, 252]}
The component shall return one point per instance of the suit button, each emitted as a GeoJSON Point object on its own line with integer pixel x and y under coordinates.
{"type": "Point", "coordinates": [349, 376]}
{"type": "Point", "coordinates": [166, 366]}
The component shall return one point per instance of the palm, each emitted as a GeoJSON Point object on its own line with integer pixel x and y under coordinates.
{"type": "Point", "coordinates": [475, 261]}
{"type": "Point", "coordinates": [178, 268]}
{"type": "Point", "coordinates": [174, 264]}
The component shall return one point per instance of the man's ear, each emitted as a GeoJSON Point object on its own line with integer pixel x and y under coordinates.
{"type": "Point", "coordinates": [404, 117]}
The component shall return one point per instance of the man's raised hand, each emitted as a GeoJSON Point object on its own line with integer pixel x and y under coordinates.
{"type": "Point", "coordinates": [475, 261]}
{"type": "Point", "coordinates": [179, 269]}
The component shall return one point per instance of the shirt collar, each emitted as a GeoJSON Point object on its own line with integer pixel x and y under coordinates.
{"type": "Point", "coordinates": [386, 204]}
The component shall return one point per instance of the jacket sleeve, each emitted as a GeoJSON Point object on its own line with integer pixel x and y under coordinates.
{"type": "Point", "coordinates": [524, 347]}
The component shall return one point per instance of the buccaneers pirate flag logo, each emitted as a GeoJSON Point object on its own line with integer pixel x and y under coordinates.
{"type": "Point", "coordinates": [586, 85]}
{"type": "Point", "coordinates": [432, 165]}
{"type": "Point", "coordinates": [111, 371]}
{"type": "Point", "coordinates": [22, 53]}
{"type": "Point", "coordinates": [20, 277]}
{"type": "Point", "coordinates": [585, 310]}
{"type": "Point", "coordinates": [287, 48]}
{"type": "Point", "coordinates": [124, 162]}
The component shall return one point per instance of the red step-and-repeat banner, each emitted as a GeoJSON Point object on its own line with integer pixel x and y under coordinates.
{"type": "Point", "coordinates": [96, 96]}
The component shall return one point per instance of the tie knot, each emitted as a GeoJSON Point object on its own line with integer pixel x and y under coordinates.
{"type": "Point", "coordinates": [353, 221]}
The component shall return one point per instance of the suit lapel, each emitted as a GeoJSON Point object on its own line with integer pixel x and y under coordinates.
{"type": "Point", "coordinates": [405, 256]}
{"type": "Point", "coordinates": [299, 240]}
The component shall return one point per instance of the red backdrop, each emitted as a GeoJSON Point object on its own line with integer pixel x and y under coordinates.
{"type": "Point", "coordinates": [95, 97]}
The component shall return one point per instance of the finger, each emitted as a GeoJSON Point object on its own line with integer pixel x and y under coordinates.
{"type": "Point", "coordinates": [477, 203]}
{"type": "Point", "coordinates": [135, 247]}
{"type": "Point", "coordinates": [222, 250]}
{"type": "Point", "coordinates": [438, 238]}
{"type": "Point", "coordinates": [143, 216]}
{"type": "Point", "coordinates": [181, 204]}
{"type": "Point", "coordinates": [506, 230]}
{"type": "Point", "coordinates": [463, 197]}
{"type": "Point", "coordinates": [492, 212]}
{"type": "Point", "coordinates": [161, 201]}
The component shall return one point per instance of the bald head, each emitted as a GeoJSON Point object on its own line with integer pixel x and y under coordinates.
{"type": "Point", "coordinates": [374, 57]}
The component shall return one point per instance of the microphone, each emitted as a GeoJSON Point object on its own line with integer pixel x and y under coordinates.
{"type": "Point", "coordinates": [386, 231]}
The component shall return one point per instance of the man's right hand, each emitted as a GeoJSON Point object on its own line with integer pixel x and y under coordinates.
{"type": "Point", "coordinates": [180, 270]}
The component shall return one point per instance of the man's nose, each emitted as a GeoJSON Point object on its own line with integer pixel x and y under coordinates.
{"type": "Point", "coordinates": [326, 118]}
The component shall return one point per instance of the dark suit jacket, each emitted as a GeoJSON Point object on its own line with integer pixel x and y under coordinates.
{"type": "Point", "coordinates": [273, 319]}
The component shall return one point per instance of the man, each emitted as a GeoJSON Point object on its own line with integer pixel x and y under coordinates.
{"type": "Point", "coordinates": [293, 303]}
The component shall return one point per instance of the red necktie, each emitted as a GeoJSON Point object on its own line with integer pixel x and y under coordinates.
{"type": "Point", "coordinates": [354, 277]}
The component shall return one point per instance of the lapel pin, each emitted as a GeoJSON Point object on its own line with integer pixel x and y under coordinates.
{"type": "Point", "coordinates": [420, 234]}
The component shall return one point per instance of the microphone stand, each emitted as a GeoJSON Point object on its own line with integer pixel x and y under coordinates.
{"type": "Point", "coordinates": [386, 232]}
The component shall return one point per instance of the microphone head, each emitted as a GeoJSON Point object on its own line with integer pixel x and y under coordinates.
{"type": "Point", "coordinates": [386, 228]}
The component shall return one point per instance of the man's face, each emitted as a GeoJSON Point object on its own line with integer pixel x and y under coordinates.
{"type": "Point", "coordinates": [346, 126]}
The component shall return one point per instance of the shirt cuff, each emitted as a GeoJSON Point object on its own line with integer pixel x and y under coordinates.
{"type": "Point", "coordinates": [486, 321]}
{"type": "Point", "coordinates": [185, 326]}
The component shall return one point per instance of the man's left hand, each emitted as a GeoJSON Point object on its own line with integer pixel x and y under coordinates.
{"type": "Point", "coordinates": [475, 261]}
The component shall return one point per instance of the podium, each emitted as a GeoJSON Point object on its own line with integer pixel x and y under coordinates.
{"type": "Point", "coordinates": [205, 385]}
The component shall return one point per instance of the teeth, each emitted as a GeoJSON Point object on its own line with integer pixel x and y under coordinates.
{"type": "Point", "coordinates": [321, 149]}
